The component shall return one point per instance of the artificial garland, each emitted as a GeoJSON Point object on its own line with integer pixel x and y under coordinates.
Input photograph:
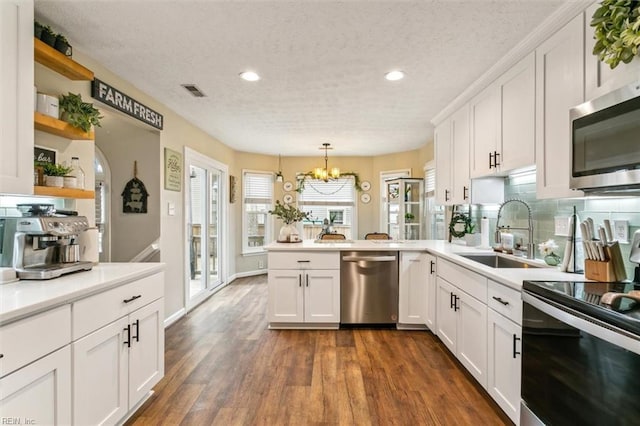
{"type": "Point", "coordinates": [456, 219]}
{"type": "Point", "coordinates": [616, 31]}
{"type": "Point", "coordinates": [302, 177]}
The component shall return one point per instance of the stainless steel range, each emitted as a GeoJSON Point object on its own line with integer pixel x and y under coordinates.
{"type": "Point", "coordinates": [46, 246]}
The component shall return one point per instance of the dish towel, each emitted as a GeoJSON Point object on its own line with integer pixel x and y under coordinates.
{"type": "Point", "coordinates": [573, 252]}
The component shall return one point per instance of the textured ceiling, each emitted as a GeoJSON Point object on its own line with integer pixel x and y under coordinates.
{"type": "Point", "coordinates": [321, 62]}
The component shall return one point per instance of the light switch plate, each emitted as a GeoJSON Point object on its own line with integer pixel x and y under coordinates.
{"type": "Point", "coordinates": [171, 209]}
{"type": "Point", "coordinates": [561, 226]}
{"type": "Point", "coordinates": [621, 231]}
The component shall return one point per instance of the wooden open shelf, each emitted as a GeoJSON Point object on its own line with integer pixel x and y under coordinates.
{"type": "Point", "coordinates": [51, 58]}
{"type": "Point", "coordinates": [61, 128]}
{"type": "Point", "coordinates": [51, 191]}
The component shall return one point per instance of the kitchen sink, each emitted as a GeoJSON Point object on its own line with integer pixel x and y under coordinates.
{"type": "Point", "coordinates": [496, 261]}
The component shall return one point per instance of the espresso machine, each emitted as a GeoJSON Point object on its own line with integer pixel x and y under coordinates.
{"type": "Point", "coordinates": [46, 246]}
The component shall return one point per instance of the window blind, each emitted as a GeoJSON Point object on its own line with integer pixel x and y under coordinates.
{"type": "Point", "coordinates": [258, 188]}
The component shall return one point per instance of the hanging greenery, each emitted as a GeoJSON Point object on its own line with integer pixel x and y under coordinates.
{"type": "Point", "coordinates": [301, 178]}
{"type": "Point", "coordinates": [462, 219]}
{"type": "Point", "coordinates": [617, 31]}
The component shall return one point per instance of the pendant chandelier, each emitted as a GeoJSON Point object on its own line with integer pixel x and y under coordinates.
{"type": "Point", "coordinates": [325, 174]}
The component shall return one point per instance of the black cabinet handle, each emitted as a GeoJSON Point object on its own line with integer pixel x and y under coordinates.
{"type": "Point", "coordinates": [515, 350]}
{"type": "Point", "coordinates": [307, 278]}
{"type": "Point", "coordinates": [432, 265]}
{"type": "Point", "coordinates": [465, 193]}
{"type": "Point", "coordinates": [451, 300]}
{"type": "Point", "coordinates": [455, 303]}
{"type": "Point", "coordinates": [299, 280]}
{"type": "Point", "coordinates": [132, 298]}
{"type": "Point", "coordinates": [137, 336]}
{"type": "Point", "coordinates": [499, 299]}
{"type": "Point", "coordinates": [490, 160]}
{"type": "Point", "coordinates": [128, 330]}
{"type": "Point", "coordinates": [446, 194]}
{"type": "Point", "coordinates": [1, 356]}
{"type": "Point", "coordinates": [496, 155]}
{"type": "Point", "coordinates": [304, 261]}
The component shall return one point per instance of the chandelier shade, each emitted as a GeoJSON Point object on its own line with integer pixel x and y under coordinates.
{"type": "Point", "coordinates": [325, 173]}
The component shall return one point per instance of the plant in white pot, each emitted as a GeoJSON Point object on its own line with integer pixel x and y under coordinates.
{"type": "Point", "coordinates": [290, 215]}
{"type": "Point", "coordinates": [54, 174]}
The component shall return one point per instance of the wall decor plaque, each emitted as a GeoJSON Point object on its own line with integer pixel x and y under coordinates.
{"type": "Point", "coordinates": [172, 170]}
{"type": "Point", "coordinates": [135, 194]}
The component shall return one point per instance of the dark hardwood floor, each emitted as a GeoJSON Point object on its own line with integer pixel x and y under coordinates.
{"type": "Point", "coordinates": [225, 367]}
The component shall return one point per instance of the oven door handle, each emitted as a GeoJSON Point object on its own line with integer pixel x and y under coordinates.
{"type": "Point", "coordinates": [583, 322]}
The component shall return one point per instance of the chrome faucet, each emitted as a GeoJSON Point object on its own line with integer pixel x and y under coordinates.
{"type": "Point", "coordinates": [530, 243]}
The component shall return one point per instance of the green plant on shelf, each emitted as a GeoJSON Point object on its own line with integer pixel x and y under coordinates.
{"type": "Point", "coordinates": [409, 217]}
{"type": "Point", "coordinates": [52, 169]}
{"type": "Point", "coordinates": [78, 113]}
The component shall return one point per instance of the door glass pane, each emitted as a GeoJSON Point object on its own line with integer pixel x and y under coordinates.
{"type": "Point", "coordinates": [197, 216]}
{"type": "Point", "coordinates": [214, 230]}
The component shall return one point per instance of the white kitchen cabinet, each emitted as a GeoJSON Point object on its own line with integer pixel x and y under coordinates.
{"type": "Point", "coordinates": [559, 87]}
{"type": "Point", "coordinates": [443, 146]}
{"type": "Point", "coordinates": [117, 365]}
{"type": "Point", "coordinates": [431, 295]}
{"type": "Point", "coordinates": [413, 281]}
{"type": "Point", "coordinates": [39, 393]}
{"type": "Point", "coordinates": [405, 217]}
{"type": "Point", "coordinates": [308, 291]}
{"type": "Point", "coordinates": [599, 77]}
{"type": "Point", "coordinates": [462, 316]}
{"type": "Point", "coordinates": [484, 111]}
{"type": "Point", "coordinates": [503, 121]}
{"type": "Point", "coordinates": [16, 102]}
{"type": "Point", "coordinates": [504, 369]}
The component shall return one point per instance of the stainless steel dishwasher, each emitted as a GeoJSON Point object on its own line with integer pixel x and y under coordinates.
{"type": "Point", "coordinates": [369, 287]}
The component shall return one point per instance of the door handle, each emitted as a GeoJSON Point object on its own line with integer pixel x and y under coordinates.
{"type": "Point", "coordinates": [432, 265]}
{"type": "Point", "coordinates": [446, 195]}
{"type": "Point", "coordinates": [369, 258]}
{"type": "Point", "coordinates": [465, 195]}
{"type": "Point", "coordinates": [307, 278]}
{"type": "Point", "coordinates": [131, 299]}
{"type": "Point", "coordinates": [499, 299]}
{"type": "Point", "coordinates": [496, 155]}
{"type": "Point", "coordinates": [128, 330]}
{"type": "Point", "coordinates": [299, 280]}
{"type": "Point", "coordinates": [515, 351]}
{"type": "Point", "coordinates": [455, 303]}
{"type": "Point", "coordinates": [451, 300]}
{"type": "Point", "coordinates": [137, 336]}
{"type": "Point", "coordinates": [491, 161]}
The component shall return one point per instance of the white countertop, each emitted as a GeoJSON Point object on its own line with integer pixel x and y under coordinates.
{"type": "Point", "coordinates": [27, 297]}
{"type": "Point", "coordinates": [512, 277]}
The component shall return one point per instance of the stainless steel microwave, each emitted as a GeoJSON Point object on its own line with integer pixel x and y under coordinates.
{"type": "Point", "coordinates": [605, 142]}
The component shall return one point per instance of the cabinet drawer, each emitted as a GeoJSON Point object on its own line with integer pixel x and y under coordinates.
{"type": "Point", "coordinates": [305, 260]}
{"type": "Point", "coordinates": [98, 310]}
{"type": "Point", "coordinates": [506, 301]}
{"type": "Point", "coordinates": [469, 281]}
{"type": "Point", "coordinates": [26, 340]}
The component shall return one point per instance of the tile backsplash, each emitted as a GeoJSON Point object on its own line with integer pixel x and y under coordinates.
{"type": "Point", "coordinates": [546, 211]}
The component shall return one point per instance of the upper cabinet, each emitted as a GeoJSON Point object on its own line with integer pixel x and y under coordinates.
{"type": "Point", "coordinates": [452, 147]}
{"type": "Point", "coordinates": [502, 122]}
{"type": "Point", "coordinates": [599, 77]}
{"type": "Point", "coordinates": [442, 138]}
{"type": "Point", "coordinates": [16, 100]}
{"type": "Point", "coordinates": [559, 87]}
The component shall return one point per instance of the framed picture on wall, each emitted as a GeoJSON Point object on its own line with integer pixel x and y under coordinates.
{"type": "Point", "coordinates": [172, 170]}
{"type": "Point", "coordinates": [44, 155]}
{"type": "Point", "coordinates": [232, 189]}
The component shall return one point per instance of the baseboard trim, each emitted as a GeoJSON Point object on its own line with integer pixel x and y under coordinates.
{"type": "Point", "coordinates": [248, 274]}
{"type": "Point", "coordinates": [174, 317]}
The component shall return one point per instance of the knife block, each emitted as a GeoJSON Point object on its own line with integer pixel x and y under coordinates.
{"type": "Point", "coordinates": [599, 271]}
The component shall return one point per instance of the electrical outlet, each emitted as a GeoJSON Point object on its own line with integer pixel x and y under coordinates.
{"type": "Point", "coordinates": [561, 226]}
{"type": "Point", "coordinates": [260, 264]}
{"type": "Point", "coordinates": [621, 231]}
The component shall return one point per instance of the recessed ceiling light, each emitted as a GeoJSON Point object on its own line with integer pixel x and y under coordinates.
{"type": "Point", "coordinates": [394, 75]}
{"type": "Point", "coordinates": [249, 76]}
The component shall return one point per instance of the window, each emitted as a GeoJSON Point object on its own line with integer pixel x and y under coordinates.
{"type": "Point", "coordinates": [256, 202]}
{"type": "Point", "coordinates": [334, 201]}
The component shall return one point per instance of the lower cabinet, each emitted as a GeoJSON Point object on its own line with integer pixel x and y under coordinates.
{"type": "Point", "coordinates": [462, 327]}
{"type": "Point", "coordinates": [431, 295]}
{"type": "Point", "coordinates": [39, 393]}
{"type": "Point", "coordinates": [413, 282]}
{"type": "Point", "coordinates": [304, 295]}
{"type": "Point", "coordinates": [117, 365]}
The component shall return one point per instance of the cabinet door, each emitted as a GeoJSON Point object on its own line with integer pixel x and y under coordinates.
{"type": "Point", "coordinates": [322, 295]}
{"type": "Point", "coordinates": [559, 87]}
{"type": "Point", "coordinates": [286, 295]}
{"type": "Point", "coordinates": [446, 317]}
{"type": "Point", "coordinates": [431, 294]}
{"type": "Point", "coordinates": [442, 137]}
{"type": "Point", "coordinates": [146, 355]}
{"type": "Point", "coordinates": [472, 336]}
{"type": "Point", "coordinates": [16, 101]}
{"type": "Point", "coordinates": [504, 369]}
{"type": "Point", "coordinates": [39, 393]}
{"type": "Point", "coordinates": [517, 93]}
{"type": "Point", "coordinates": [460, 181]}
{"type": "Point", "coordinates": [484, 112]}
{"type": "Point", "coordinates": [599, 77]}
{"type": "Point", "coordinates": [414, 273]}
{"type": "Point", "coordinates": [100, 375]}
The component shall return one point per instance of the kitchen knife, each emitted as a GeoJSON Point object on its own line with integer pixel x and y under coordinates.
{"type": "Point", "coordinates": [592, 229]}
{"type": "Point", "coordinates": [603, 235]}
{"type": "Point", "coordinates": [601, 254]}
{"type": "Point", "coordinates": [607, 227]}
{"type": "Point", "coordinates": [585, 238]}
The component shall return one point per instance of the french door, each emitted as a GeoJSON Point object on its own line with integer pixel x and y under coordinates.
{"type": "Point", "coordinates": [206, 217]}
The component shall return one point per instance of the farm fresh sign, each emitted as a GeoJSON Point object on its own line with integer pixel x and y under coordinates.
{"type": "Point", "coordinates": [113, 97]}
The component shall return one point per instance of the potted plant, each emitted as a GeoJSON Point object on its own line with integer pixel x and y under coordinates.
{"type": "Point", "coordinates": [62, 45]}
{"type": "Point", "coordinates": [48, 36]}
{"type": "Point", "coordinates": [79, 114]}
{"type": "Point", "coordinates": [471, 238]}
{"type": "Point", "coordinates": [616, 31]}
{"type": "Point", "coordinates": [290, 215]}
{"type": "Point", "coordinates": [408, 217]}
{"type": "Point", "coordinates": [54, 174]}
{"type": "Point", "coordinates": [37, 29]}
